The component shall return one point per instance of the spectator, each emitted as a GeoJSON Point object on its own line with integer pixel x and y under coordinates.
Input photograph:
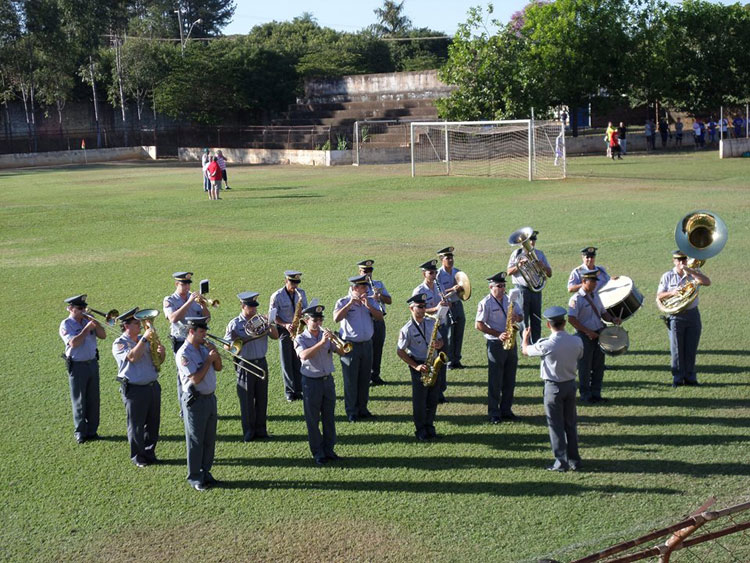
{"type": "Point", "coordinates": [607, 137]}
{"type": "Point", "coordinates": [697, 132]}
{"type": "Point", "coordinates": [649, 130]}
{"type": "Point", "coordinates": [622, 133]}
{"type": "Point", "coordinates": [712, 130]}
{"type": "Point", "coordinates": [614, 145]}
{"type": "Point", "coordinates": [738, 123]}
{"type": "Point", "coordinates": [724, 128]}
{"type": "Point", "coordinates": [214, 174]}
{"type": "Point", "coordinates": [205, 159]}
{"type": "Point", "coordinates": [223, 165]}
{"type": "Point", "coordinates": [678, 127]}
{"type": "Point", "coordinates": [663, 131]}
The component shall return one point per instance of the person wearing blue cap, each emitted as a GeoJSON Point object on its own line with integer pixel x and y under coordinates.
{"type": "Point", "coordinates": [380, 294]}
{"type": "Point", "coordinates": [197, 362]}
{"type": "Point", "coordinates": [286, 301]}
{"type": "Point", "coordinates": [252, 391]}
{"type": "Point", "coordinates": [532, 300]}
{"type": "Point", "coordinates": [502, 364]}
{"type": "Point", "coordinates": [315, 348]}
{"type": "Point", "coordinates": [560, 354]}
{"type": "Point", "coordinates": [413, 345]}
{"type": "Point", "coordinates": [356, 314]}
{"type": "Point", "coordinates": [177, 307]}
{"type": "Point", "coordinates": [586, 313]}
{"type": "Point", "coordinates": [139, 387]}
{"type": "Point", "coordinates": [575, 280]}
{"type": "Point", "coordinates": [684, 327]}
{"type": "Point", "coordinates": [447, 284]}
{"type": "Point", "coordinates": [79, 332]}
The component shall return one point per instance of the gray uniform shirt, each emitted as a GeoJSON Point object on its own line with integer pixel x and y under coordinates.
{"type": "Point", "coordinates": [515, 256]}
{"type": "Point", "coordinates": [253, 350]}
{"type": "Point", "coordinates": [580, 308]}
{"type": "Point", "coordinates": [671, 280]}
{"type": "Point", "coordinates": [575, 278]}
{"type": "Point", "coordinates": [141, 372]}
{"type": "Point", "coordinates": [383, 291]}
{"type": "Point", "coordinates": [320, 364]}
{"type": "Point", "coordinates": [69, 329]}
{"type": "Point", "coordinates": [285, 304]}
{"type": "Point", "coordinates": [433, 295]}
{"type": "Point", "coordinates": [357, 325]}
{"type": "Point", "coordinates": [492, 312]}
{"type": "Point", "coordinates": [447, 281]}
{"type": "Point", "coordinates": [414, 338]}
{"type": "Point", "coordinates": [189, 360]}
{"type": "Point", "coordinates": [560, 354]}
{"type": "Point", "coordinates": [171, 304]}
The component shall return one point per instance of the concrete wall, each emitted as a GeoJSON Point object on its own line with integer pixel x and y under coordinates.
{"type": "Point", "coordinates": [592, 144]}
{"type": "Point", "coordinates": [733, 148]}
{"type": "Point", "coordinates": [272, 156]}
{"type": "Point", "coordinates": [56, 158]}
{"type": "Point", "coordinates": [369, 87]}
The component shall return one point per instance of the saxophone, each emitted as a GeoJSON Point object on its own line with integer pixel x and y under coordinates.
{"type": "Point", "coordinates": [297, 319]}
{"type": "Point", "coordinates": [511, 328]}
{"type": "Point", "coordinates": [434, 362]}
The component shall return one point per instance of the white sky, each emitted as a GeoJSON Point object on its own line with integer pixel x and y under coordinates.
{"type": "Point", "coordinates": [353, 15]}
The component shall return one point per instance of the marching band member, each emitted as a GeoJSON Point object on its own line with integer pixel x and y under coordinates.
{"type": "Point", "coordinates": [79, 333]}
{"type": "Point", "coordinates": [177, 307]}
{"type": "Point", "coordinates": [560, 353]}
{"type": "Point", "coordinates": [139, 387]}
{"type": "Point", "coordinates": [315, 350]}
{"type": "Point", "coordinates": [532, 300]}
{"type": "Point", "coordinates": [684, 327]}
{"type": "Point", "coordinates": [251, 390]}
{"type": "Point", "coordinates": [588, 255]}
{"type": "Point", "coordinates": [380, 294]}
{"type": "Point", "coordinates": [502, 364]}
{"type": "Point", "coordinates": [446, 281]}
{"type": "Point", "coordinates": [433, 301]}
{"type": "Point", "coordinates": [197, 362]}
{"type": "Point", "coordinates": [413, 344]}
{"type": "Point", "coordinates": [357, 314]}
{"type": "Point", "coordinates": [586, 312]}
{"type": "Point", "coordinates": [285, 301]}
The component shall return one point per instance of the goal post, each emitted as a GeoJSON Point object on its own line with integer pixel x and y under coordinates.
{"type": "Point", "coordinates": [519, 148]}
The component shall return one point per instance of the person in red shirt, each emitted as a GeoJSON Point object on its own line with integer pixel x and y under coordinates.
{"type": "Point", "coordinates": [614, 144]}
{"type": "Point", "coordinates": [214, 174]}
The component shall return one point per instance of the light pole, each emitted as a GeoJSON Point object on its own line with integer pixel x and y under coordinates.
{"type": "Point", "coordinates": [184, 39]}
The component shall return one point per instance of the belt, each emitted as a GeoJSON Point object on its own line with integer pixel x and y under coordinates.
{"type": "Point", "coordinates": [559, 382]}
{"type": "Point", "coordinates": [151, 384]}
{"type": "Point", "coordinates": [83, 361]}
{"type": "Point", "coordinates": [318, 376]}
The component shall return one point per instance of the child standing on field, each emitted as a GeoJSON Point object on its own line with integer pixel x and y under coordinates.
{"type": "Point", "coordinates": [223, 165]}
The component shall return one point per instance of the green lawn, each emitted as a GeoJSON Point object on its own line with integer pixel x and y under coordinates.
{"type": "Point", "coordinates": [480, 493]}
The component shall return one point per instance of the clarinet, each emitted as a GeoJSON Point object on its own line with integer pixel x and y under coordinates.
{"type": "Point", "coordinates": [442, 296]}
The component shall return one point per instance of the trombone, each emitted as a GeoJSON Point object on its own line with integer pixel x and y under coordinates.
{"type": "Point", "coordinates": [109, 318]}
{"type": "Point", "coordinates": [233, 350]}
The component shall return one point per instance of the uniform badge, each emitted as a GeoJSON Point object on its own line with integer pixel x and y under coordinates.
{"type": "Point", "coordinates": [166, 302]}
{"type": "Point", "coordinates": [120, 346]}
{"type": "Point", "coordinates": [64, 332]}
{"type": "Point", "coordinates": [184, 361]}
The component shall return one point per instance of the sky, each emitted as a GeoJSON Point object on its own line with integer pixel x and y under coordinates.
{"type": "Point", "coordinates": [353, 15]}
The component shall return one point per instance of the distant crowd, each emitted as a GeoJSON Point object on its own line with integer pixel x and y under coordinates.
{"type": "Point", "coordinates": [214, 169]}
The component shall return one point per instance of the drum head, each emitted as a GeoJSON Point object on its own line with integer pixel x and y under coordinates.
{"type": "Point", "coordinates": [620, 297]}
{"type": "Point", "coordinates": [614, 340]}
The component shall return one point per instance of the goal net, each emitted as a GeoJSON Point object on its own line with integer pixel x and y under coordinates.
{"type": "Point", "coordinates": [522, 148]}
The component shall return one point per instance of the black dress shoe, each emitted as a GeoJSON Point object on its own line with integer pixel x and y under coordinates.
{"type": "Point", "coordinates": [200, 487]}
{"type": "Point", "coordinates": [289, 398]}
{"type": "Point", "coordinates": [458, 365]}
{"type": "Point", "coordinates": [352, 418]}
{"type": "Point", "coordinates": [558, 468]}
{"type": "Point", "coordinates": [93, 437]}
{"type": "Point", "coordinates": [575, 466]}
{"type": "Point", "coordinates": [320, 461]}
{"type": "Point", "coordinates": [692, 383]}
{"type": "Point", "coordinates": [511, 417]}
{"type": "Point", "coordinates": [495, 420]}
{"type": "Point", "coordinates": [376, 381]}
{"type": "Point", "coordinates": [333, 456]}
{"type": "Point", "coordinates": [80, 438]}
{"type": "Point", "coordinates": [431, 433]}
{"type": "Point", "coordinates": [366, 414]}
{"type": "Point", "coordinates": [442, 400]}
{"type": "Point", "coordinates": [599, 399]}
{"type": "Point", "coordinates": [422, 436]}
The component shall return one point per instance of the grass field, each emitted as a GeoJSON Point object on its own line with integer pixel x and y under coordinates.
{"type": "Point", "coordinates": [480, 493]}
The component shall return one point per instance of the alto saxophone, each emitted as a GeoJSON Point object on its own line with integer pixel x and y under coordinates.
{"type": "Point", "coordinates": [297, 319]}
{"type": "Point", "coordinates": [511, 329]}
{"type": "Point", "coordinates": [435, 361]}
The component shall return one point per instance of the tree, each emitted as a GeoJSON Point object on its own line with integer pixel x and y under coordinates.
{"type": "Point", "coordinates": [391, 20]}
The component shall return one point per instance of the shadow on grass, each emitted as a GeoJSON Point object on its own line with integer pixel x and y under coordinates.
{"type": "Point", "coordinates": [701, 368]}
{"type": "Point", "coordinates": [665, 353]}
{"type": "Point", "coordinates": [295, 196]}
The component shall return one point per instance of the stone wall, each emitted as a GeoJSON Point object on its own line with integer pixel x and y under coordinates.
{"type": "Point", "coordinates": [57, 158]}
{"type": "Point", "coordinates": [272, 156]}
{"type": "Point", "coordinates": [372, 87]}
{"type": "Point", "coordinates": [733, 148]}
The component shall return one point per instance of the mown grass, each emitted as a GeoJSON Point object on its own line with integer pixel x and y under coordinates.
{"type": "Point", "coordinates": [118, 231]}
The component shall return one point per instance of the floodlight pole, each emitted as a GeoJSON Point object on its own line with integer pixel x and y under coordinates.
{"type": "Point", "coordinates": [184, 39]}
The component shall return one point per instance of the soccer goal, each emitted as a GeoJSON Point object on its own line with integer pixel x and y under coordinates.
{"type": "Point", "coordinates": [522, 148]}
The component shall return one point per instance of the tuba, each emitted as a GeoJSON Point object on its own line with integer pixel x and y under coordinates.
{"type": "Point", "coordinates": [434, 362]}
{"type": "Point", "coordinates": [700, 235]}
{"type": "Point", "coordinates": [532, 271]}
{"type": "Point", "coordinates": [147, 316]}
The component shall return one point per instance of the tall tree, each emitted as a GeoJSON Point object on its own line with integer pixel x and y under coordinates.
{"type": "Point", "coordinates": [391, 19]}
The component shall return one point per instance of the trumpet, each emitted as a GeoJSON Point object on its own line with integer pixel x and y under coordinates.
{"type": "Point", "coordinates": [203, 300]}
{"type": "Point", "coordinates": [341, 345]}
{"type": "Point", "coordinates": [234, 350]}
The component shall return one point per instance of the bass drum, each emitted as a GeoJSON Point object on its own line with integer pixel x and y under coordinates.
{"type": "Point", "coordinates": [620, 297]}
{"type": "Point", "coordinates": [614, 340]}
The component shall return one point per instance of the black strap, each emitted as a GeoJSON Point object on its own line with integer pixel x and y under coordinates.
{"type": "Point", "coordinates": [421, 332]}
{"type": "Point", "coordinates": [501, 306]}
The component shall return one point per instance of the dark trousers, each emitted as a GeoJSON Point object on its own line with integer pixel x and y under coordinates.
{"type": "Point", "coordinates": [684, 337]}
{"type": "Point", "coordinates": [143, 410]}
{"type": "Point", "coordinates": [356, 367]}
{"type": "Point", "coordinates": [455, 333]}
{"type": "Point", "coordinates": [424, 405]}
{"type": "Point", "coordinates": [319, 403]}
{"type": "Point", "coordinates": [590, 368]}
{"type": "Point", "coordinates": [84, 396]}
{"type": "Point", "coordinates": [378, 341]}
{"type": "Point", "coordinates": [176, 345]}
{"type": "Point", "coordinates": [560, 408]}
{"type": "Point", "coordinates": [200, 436]}
{"type": "Point", "coordinates": [532, 311]}
{"type": "Point", "coordinates": [501, 378]}
{"type": "Point", "coordinates": [252, 392]}
{"type": "Point", "coordinates": [290, 365]}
